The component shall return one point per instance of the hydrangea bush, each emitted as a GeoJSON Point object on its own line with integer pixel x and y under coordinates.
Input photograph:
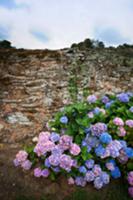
{"type": "Point", "coordinates": [89, 141]}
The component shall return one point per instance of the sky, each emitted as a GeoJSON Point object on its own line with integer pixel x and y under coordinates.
{"type": "Point", "coordinates": [55, 24]}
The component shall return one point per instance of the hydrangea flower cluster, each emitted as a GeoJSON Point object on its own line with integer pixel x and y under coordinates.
{"type": "Point", "coordinates": [53, 147]}
{"type": "Point", "coordinates": [90, 142]}
{"type": "Point", "coordinates": [21, 160]}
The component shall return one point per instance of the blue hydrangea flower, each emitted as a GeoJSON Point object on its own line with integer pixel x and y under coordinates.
{"type": "Point", "coordinates": [129, 152]}
{"type": "Point", "coordinates": [100, 150]}
{"type": "Point", "coordinates": [116, 173]}
{"type": "Point", "coordinates": [123, 97]}
{"type": "Point", "coordinates": [89, 163]}
{"type": "Point", "coordinates": [64, 120]}
{"type": "Point", "coordinates": [96, 110]}
{"type": "Point", "coordinates": [105, 138]}
{"type": "Point", "coordinates": [54, 137]}
{"type": "Point", "coordinates": [82, 169]}
{"type": "Point", "coordinates": [47, 163]}
{"type": "Point", "coordinates": [108, 105]}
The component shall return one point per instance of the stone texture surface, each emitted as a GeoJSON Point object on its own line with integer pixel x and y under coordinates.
{"type": "Point", "coordinates": [35, 84]}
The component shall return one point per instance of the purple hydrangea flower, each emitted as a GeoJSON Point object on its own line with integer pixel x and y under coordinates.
{"type": "Point", "coordinates": [114, 147]}
{"type": "Point", "coordinates": [89, 176]}
{"type": "Point", "coordinates": [45, 173]}
{"type": "Point", "coordinates": [57, 150]}
{"type": "Point", "coordinates": [16, 162]}
{"type": "Point", "coordinates": [105, 177]}
{"type": "Point", "coordinates": [26, 164]}
{"type": "Point", "coordinates": [91, 98]}
{"type": "Point", "coordinates": [37, 172]}
{"type": "Point", "coordinates": [130, 178]}
{"type": "Point", "coordinates": [98, 183]}
{"type": "Point", "coordinates": [89, 163]}
{"type": "Point", "coordinates": [64, 120]}
{"type": "Point", "coordinates": [80, 181]}
{"type": "Point", "coordinates": [91, 141]}
{"type": "Point", "coordinates": [54, 160]}
{"type": "Point", "coordinates": [105, 99]}
{"type": "Point", "coordinates": [129, 123]}
{"type": "Point", "coordinates": [98, 128]}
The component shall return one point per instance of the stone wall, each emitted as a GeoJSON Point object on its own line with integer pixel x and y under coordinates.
{"type": "Point", "coordinates": [35, 84]}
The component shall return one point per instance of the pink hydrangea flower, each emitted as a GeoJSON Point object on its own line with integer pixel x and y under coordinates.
{"type": "Point", "coordinates": [130, 178]}
{"type": "Point", "coordinates": [118, 121]}
{"type": "Point", "coordinates": [121, 131]}
{"type": "Point", "coordinates": [129, 123]}
{"type": "Point", "coordinates": [75, 149]}
{"type": "Point", "coordinates": [26, 164]}
{"type": "Point", "coordinates": [110, 166]}
{"type": "Point", "coordinates": [42, 148]}
{"type": "Point", "coordinates": [37, 172]}
{"type": "Point", "coordinates": [65, 142]}
{"type": "Point", "coordinates": [97, 170]}
{"type": "Point", "coordinates": [71, 181]}
{"type": "Point", "coordinates": [21, 156]}
{"type": "Point", "coordinates": [90, 114]}
{"type": "Point", "coordinates": [66, 162]}
{"type": "Point", "coordinates": [44, 137]}
{"type": "Point", "coordinates": [130, 191]}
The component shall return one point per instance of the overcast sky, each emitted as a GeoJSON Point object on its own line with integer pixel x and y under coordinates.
{"type": "Point", "coordinates": [57, 24]}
